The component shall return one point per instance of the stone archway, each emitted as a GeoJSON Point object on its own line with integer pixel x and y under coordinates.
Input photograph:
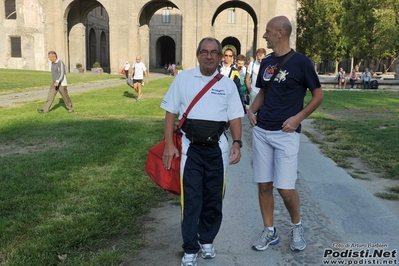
{"type": "Point", "coordinates": [87, 35]}
{"type": "Point", "coordinates": [237, 19]}
{"type": "Point", "coordinates": [162, 22]}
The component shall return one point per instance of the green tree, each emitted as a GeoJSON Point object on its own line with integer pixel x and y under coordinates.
{"type": "Point", "coordinates": [335, 29]}
{"type": "Point", "coordinates": [358, 27]}
{"type": "Point", "coordinates": [307, 18]}
{"type": "Point", "coordinates": [319, 34]}
{"type": "Point", "coordinates": [387, 30]}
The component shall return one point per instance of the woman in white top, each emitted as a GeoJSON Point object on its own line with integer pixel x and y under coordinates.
{"type": "Point", "coordinates": [342, 79]}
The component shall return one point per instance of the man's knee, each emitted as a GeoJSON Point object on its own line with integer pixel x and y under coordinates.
{"type": "Point", "coordinates": [288, 194]}
{"type": "Point", "coordinates": [265, 188]}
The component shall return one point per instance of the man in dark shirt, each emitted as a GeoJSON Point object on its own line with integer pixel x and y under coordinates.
{"type": "Point", "coordinates": [277, 125]}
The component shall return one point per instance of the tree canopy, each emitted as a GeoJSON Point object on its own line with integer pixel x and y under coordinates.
{"type": "Point", "coordinates": [338, 29]}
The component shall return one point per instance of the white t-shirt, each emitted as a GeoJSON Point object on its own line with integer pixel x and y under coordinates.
{"type": "Point", "coordinates": [225, 71]}
{"type": "Point", "coordinates": [254, 69]}
{"type": "Point", "coordinates": [220, 103]}
{"type": "Point", "coordinates": [139, 69]}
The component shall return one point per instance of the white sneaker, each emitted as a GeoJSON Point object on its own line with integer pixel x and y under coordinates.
{"type": "Point", "coordinates": [207, 251]}
{"type": "Point", "coordinates": [189, 260]}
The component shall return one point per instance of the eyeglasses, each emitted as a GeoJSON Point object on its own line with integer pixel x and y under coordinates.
{"type": "Point", "coordinates": [228, 55]}
{"type": "Point", "coordinates": [206, 52]}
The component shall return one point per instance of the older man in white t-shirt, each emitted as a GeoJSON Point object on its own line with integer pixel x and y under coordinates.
{"type": "Point", "coordinates": [252, 74]}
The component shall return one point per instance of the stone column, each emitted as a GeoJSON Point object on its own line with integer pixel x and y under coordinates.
{"type": "Point", "coordinates": [77, 46]}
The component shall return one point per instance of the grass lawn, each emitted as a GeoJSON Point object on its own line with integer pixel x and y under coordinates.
{"type": "Point", "coordinates": [15, 80]}
{"type": "Point", "coordinates": [362, 124]}
{"type": "Point", "coordinates": [74, 185]}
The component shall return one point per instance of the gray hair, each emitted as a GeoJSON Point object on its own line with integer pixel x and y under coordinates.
{"type": "Point", "coordinates": [212, 40]}
{"type": "Point", "coordinates": [53, 53]}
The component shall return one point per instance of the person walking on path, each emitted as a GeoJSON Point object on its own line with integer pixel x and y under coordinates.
{"type": "Point", "coordinates": [228, 69]}
{"type": "Point", "coordinates": [139, 71]}
{"type": "Point", "coordinates": [242, 70]}
{"type": "Point", "coordinates": [203, 166]}
{"type": "Point", "coordinates": [59, 84]}
{"type": "Point", "coordinates": [127, 68]}
{"type": "Point", "coordinates": [252, 74]}
{"type": "Point", "coordinates": [276, 119]}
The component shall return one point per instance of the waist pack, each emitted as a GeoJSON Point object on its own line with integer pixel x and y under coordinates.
{"type": "Point", "coordinates": [203, 132]}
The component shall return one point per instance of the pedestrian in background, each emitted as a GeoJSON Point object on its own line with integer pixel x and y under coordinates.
{"type": "Point", "coordinates": [341, 79]}
{"type": "Point", "coordinates": [252, 74]}
{"type": "Point", "coordinates": [242, 71]}
{"type": "Point", "coordinates": [138, 73]}
{"type": "Point", "coordinates": [228, 69]}
{"type": "Point", "coordinates": [366, 77]}
{"type": "Point", "coordinates": [353, 78]}
{"type": "Point", "coordinates": [127, 68]}
{"type": "Point", "coordinates": [59, 84]}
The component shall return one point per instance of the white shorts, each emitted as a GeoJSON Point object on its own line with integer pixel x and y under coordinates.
{"type": "Point", "coordinates": [275, 157]}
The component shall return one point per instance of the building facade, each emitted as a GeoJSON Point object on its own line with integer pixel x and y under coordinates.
{"type": "Point", "coordinates": [111, 32]}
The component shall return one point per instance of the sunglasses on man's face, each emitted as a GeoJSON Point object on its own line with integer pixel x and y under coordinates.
{"type": "Point", "coordinates": [228, 55]}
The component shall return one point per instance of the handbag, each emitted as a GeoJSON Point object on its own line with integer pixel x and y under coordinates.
{"type": "Point", "coordinates": [169, 179]}
{"type": "Point", "coordinates": [123, 72]}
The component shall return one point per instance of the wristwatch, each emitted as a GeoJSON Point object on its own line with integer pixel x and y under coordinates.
{"type": "Point", "coordinates": [238, 141]}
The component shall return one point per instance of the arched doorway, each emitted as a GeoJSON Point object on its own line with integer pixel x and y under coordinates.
{"type": "Point", "coordinates": [236, 22]}
{"type": "Point", "coordinates": [90, 20]}
{"type": "Point", "coordinates": [166, 50]}
{"type": "Point", "coordinates": [162, 21]}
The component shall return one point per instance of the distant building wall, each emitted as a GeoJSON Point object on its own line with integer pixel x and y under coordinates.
{"type": "Point", "coordinates": [134, 27]}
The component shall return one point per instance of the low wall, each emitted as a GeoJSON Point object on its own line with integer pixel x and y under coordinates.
{"type": "Point", "coordinates": [384, 83]}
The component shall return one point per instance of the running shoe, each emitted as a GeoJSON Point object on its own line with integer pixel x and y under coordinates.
{"type": "Point", "coordinates": [207, 251]}
{"type": "Point", "coordinates": [267, 238]}
{"type": "Point", "coordinates": [189, 260]}
{"type": "Point", "coordinates": [297, 239]}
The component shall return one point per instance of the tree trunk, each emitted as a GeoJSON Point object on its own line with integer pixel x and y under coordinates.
{"type": "Point", "coordinates": [315, 67]}
{"type": "Point", "coordinates": [397, 68]}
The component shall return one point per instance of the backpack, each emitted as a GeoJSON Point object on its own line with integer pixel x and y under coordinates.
{"type": "Point", "coordinates": [374, 84]}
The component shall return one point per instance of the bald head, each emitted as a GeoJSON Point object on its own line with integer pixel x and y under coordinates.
{"type": "Point", "coordinates": [281, 23]}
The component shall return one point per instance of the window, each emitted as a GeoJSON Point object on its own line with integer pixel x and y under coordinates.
{"type": "Point", "coordinates": [165, 16]}
{"type": "Point", "coordinates": [231, 16]}
{"type": "Point", "coordinates": [16, 47]}
{"type": "Point", "coordinates": [11, 12]}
